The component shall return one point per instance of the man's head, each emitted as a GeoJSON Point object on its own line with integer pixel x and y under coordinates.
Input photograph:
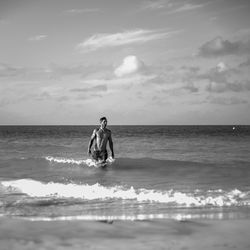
{"type": "Point", "coordinates": [103, 122]}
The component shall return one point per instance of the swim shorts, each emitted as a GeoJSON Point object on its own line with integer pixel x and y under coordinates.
{"type": "Point", "coordinates": [100, 155]}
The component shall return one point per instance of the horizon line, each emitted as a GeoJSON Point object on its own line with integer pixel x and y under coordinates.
{"type": "Point", "coordinates": [54, 125]}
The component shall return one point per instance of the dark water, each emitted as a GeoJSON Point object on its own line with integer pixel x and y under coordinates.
{"type": "Point", "coordinates": [159, 172]}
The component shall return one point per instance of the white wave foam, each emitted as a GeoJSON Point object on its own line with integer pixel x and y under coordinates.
{"type": "Point", "coordinates": [125, 217]}
{"type": "Point", "coordinates": [100, 217]}
{"type": "Point", "coordinates": [91, 192]}
{"type": "Point", "coordinates": [88, 162]}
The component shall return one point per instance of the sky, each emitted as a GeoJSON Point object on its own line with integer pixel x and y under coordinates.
{"type": "Point", "coordinates": [166, 62]}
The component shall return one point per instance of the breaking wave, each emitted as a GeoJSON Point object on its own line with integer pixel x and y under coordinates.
{"type": "Point", "coordinates": [88, 162]}
{"type": "Point", "coordinates": [214, 198]}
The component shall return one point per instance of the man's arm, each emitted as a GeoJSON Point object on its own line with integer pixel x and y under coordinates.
{"type": "Point", "coordinates": [111, 146]}
{"type": "Point", "coordinates": [92, 138]}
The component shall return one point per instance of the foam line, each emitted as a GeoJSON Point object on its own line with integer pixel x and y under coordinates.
{"type": "Point", "coordinates": [88, 162]}
{"type": "Point", "coordinates": [124, 217]}
{"type": "Point", "coordinates": [91, 192]}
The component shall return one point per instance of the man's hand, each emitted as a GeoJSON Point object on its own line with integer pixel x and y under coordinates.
{"type": "Point", "coordinates": [89, 152]}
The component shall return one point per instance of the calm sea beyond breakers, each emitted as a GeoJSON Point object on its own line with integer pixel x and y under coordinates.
{"type": "Point", "coordinates": [160, 173]}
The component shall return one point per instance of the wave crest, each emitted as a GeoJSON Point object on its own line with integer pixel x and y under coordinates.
{"type": "Point", "coordinates": [88, 162]}
{"type": "Point", "coordinates": [216, 198]}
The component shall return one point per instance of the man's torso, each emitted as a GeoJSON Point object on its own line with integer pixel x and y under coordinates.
{"type": "Point", "coordinates": [101, 139]}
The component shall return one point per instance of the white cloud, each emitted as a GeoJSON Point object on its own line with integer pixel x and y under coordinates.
{"type": "Point", "coordinates": [188, 7]}
{"type": "Point", "coordinates": [37, 38]}
{"type": "Point", "coordinates": [130, 65]}
{"type": "Point", "coordinates": [118, 39]}
{"type": "Point", "coordinates": [221, 67]}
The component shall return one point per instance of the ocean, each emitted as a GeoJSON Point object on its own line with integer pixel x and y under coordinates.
{"type": "Point", "coordinates": [159, 172]}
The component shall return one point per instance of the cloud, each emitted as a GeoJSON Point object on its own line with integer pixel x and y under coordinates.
{"type": "Point", "coordinates": [225, 100]}
{"type": "Point", "coordinates": [88, 93]}
{"type": "Point", "coordinates": [191, 87]}
{"type": "Point", "coordinates": [79, 11]}
{"type": "Point", "coordinates": [130, 65]}
{"type": "Point", "coordinates": [220, 73]}
{"type": "Point", "coordinates": [18, 92]}
{"type": "Point", "coordinates": [246, 63]}
{"type": "Point", "coordinates": [97, 88]}
{"type": "Point", "coordinates": [55, 71]}
{"type": "Point", "coordinates": [220, 80]}
{"type": "Point", "coordinates": [116, 84]}
{"type": "Point", "coordinates": [75, 69]}
{"type": "Point", "coordinates": [154, 5]}
{"type": "Point", "coordinates": [188, 7]}
{"type": "Point", "coordinates": [38, 74]}
{"type": "Point", "coordinates": [99, 41]}
{"type": "Point", "coordinates": [174, 6]}
{"type": "Point", "coordinates": [37, 38]}
{"type": "Point", "coordinates": [10, 71]}
{"type": "Point", "coordinates": [174, 80]}
{"type": "Point", "coordinates": [220, 47]}
{"type": "Point", "coordinates": [221, 87]}
{"type": "Point", "coordinates": [221, 66]}
{"type": "Point", "coordinates": [191, 69]}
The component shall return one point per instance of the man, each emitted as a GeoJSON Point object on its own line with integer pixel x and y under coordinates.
{"type": "Point", "coordinates": [101, 136]}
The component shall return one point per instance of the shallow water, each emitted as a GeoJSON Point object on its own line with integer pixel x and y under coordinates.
{"type": "Point", "coordinates": [159, 172]}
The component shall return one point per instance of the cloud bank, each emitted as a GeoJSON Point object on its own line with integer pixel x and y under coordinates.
{"type": "Point", "coordinates": [219, 79]}
{"type": "Point", "coordinates": [220, 47]}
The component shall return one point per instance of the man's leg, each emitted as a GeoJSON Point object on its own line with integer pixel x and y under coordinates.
{"type": "Point", "coordinates": [96, 155]}
{"type": "Point", "coordinates": [104, 156]}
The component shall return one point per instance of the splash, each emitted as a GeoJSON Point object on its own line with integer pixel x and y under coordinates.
{"type": "Point", "coordinates": [88, 162]}
{"type": "Point", "coordinates": [214, 198]}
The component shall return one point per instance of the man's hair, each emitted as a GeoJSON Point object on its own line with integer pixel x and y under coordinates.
{"type": "Point", "coordinates": [103, 118]}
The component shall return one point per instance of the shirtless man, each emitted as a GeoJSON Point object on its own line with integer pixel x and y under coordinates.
{"type": "Point", "coordinates": [101, 136]}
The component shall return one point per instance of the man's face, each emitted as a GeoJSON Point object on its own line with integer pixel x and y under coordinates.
{"type": "Point", "coordinates": [104, 123]}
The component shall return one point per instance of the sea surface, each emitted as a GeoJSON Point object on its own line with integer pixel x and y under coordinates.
{"type": "Point", "coordinates": [179, 172]}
